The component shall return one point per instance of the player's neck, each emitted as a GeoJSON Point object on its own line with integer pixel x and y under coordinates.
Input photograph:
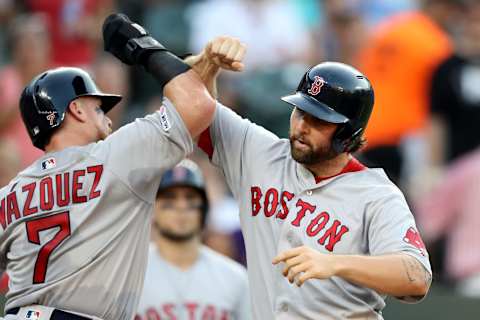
{"type": "Point", "coordinates": [64, 139]}
{"type": "Point", "coordinates": [328, 168]}
{"type": "Point", "coordinates": [181, 254]}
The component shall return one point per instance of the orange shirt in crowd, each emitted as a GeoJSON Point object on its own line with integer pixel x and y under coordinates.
{"type": "Point", "coordinates": [399, 59]}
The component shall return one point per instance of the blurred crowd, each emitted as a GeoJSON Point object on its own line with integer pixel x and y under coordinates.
{"type": "Point", "coordinates": [422, 56]}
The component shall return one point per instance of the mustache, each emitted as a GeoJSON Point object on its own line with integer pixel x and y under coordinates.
{"type": "Point", "coordinates": [299, 138]}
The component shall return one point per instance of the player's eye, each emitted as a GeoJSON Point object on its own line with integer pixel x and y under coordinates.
{"type": "Point", "coordinates": [99, 109]}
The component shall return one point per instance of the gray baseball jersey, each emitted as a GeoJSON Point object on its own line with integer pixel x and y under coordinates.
{"type": "Point", "coordinates": [214, 288]}
{"type": "Point", "coordinates": [75, 225]}
{"type": "Point", "coordinates": [282, 206]}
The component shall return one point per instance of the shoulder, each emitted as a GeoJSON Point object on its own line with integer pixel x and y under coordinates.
{"type": "Point", "coordinates": [222, 263]}
{"type": "Point", "coordinates": [372, 184]}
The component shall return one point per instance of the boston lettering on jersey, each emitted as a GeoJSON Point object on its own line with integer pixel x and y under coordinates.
{"type": "Point", "coordinates": [62, 189]}
{"type": "Point", "coordinates": [194, 311]}
{"type": "Point", "coordinates": [275, 205]}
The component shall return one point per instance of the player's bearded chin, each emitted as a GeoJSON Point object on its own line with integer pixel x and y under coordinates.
{"type": "Point", "coordinates": [311, 155]}
{"type": "Point", "coordinates": [175, 237]}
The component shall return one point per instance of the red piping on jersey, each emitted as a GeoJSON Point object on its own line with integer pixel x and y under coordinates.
{"type": "Point", "coordinates": [205, 142]}
{"type": "Point", "coordinates": [352, 166]}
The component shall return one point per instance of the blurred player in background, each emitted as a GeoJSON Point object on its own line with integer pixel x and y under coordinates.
{"type": "Point", "coordinates": [185, 279]}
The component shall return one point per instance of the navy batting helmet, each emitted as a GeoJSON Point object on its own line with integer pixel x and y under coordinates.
{"type": "Point", "coordinates": [45, 100]}
{"type": "Point", "coordinates": [336, 93]}
{"type": "Point", "coordinates": [186, 174]}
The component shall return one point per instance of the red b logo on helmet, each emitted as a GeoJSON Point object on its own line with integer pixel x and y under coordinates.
{"type": "Point", "coordinates": [317, 85]}
{"type": "Point", "coordinates": [413, 237]}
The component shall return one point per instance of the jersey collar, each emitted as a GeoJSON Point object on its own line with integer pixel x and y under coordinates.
{"type": "Point", "coordinates": [353, 165]}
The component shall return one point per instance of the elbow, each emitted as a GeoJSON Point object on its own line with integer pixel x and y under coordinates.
{"type": "Point", "coordinates": [205, 106]}
{"type": "Point", "coordinates": [416, 292]}
{"type": "Point", "coordinates": [208, 106]}
{"type": "Point", "coordinates": [420, 289]}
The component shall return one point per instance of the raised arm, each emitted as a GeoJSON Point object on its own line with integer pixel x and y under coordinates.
{"type": "Point", "coordinates": [220, 53]}
{"type": "Point", "coordinates": [132, 44]}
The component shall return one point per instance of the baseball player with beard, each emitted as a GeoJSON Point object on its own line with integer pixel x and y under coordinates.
{"type": "Point", "coordinates": [326, 237]}
{"type": "Point", "coordinates": [75, 224]}
{"type": "Point", "coordinates": [185, 279]}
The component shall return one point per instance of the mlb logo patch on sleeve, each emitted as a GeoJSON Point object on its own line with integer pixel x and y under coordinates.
{"type": "Point", "coordinates": [49, 163]}
{"type": "Point", "coordinates": [32, 315]}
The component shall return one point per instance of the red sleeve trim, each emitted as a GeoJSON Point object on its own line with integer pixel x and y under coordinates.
{"type": "Point", "coordinates": [4, 283]}
{"type": "Point", "coordinates": [205, 142]}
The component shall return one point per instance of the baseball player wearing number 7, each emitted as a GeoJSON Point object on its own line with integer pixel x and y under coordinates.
{"type": "Point", "coordinates": [75, 224]}
{"type": "Point", "coordinates": [326, 237]}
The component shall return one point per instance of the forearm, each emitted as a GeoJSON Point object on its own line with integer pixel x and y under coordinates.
{"type": "Point", "coordinates": [397, 275]}
{"type": "Point", "coordinates": [184, 88]}
{"type": "Point", "coordinates": [191, 99]}
{"type": "Point", "coordinates": [207, 71]}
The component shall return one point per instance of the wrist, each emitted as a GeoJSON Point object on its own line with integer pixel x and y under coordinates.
{"type": "Point", "coordinates": [341, 265]}
{"type": "Point", "coordinates": [165, 66]}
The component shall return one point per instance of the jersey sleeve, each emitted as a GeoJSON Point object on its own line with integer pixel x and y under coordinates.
{"type": "Point", "coordinates": [392, 229]}
{"type": "Point", "coordinates": [234, 144]}
{"type": "Point", "coordinates": [140, 152]}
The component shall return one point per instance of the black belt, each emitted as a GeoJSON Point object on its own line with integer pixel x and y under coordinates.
{"type": "Point", "coordinates": [56, 315]}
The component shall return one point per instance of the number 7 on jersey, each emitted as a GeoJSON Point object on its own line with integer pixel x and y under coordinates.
{"type": "Point", "coordinates": [34, 227]}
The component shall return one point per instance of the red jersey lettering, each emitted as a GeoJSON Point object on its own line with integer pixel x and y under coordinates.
{"type": "Point", "coordinates": [270, 202]}
{"type": "Point", "coordinates": [63, 189]}
{"type": "Point", "coordinates": [77, 185]}
{"type": "Point", "coordinates": [304, 207]}
{"type": "Point", "coordinates": [332, 235]}
{"type": "Point", "coordinates": [29, 189]}
{"type": "Point", "coordinates": [46, 194]}
{"type": "Point", "coordinates": [12, 207]}
{"type": "Point", "coordinates": [286, 196]}
{"type": "Point", "coordinates": [98, 171]}
{"type": "Point", "coordinates": [256, 196]}
{"type": "Point", "coordinates": [317, 224]}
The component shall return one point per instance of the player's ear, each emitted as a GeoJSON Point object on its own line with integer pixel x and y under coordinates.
{"type": "Point", "coordinates": [77, 109]}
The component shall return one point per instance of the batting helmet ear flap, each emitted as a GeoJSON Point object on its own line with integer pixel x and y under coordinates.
{"type": "Point", "coordinates": [346, 138]}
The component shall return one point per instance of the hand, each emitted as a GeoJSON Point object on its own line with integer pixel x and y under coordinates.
{"type": "Point", "coordinates": [222, 52]}
{"type": "Point", "coordinates": [127, 40]}
{"type": "Point", "coordinates": [306, 263]}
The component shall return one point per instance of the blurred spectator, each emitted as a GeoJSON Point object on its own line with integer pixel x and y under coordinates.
{"type": "Point", "coordinates": [112, 76]}
{"type": "Point", "coordinates": [399, 59]}
{"type": "Point", "coordinates": [30, 50]}
{"type": "Point", "coordinates": [74, 27]}
{"type": "Point", "coordinates": [375, 11]}
{"type": "Point", "coordinates": [273, 30]}
{"type": "Point", "coordinates": [451, 210]}
{"type": "Point", "coordinates": [158, 17]}
{"type": "Point", "coordinates": [8, 10]}
{"type": "Point", "coordinates": [223, 224]}
{"type": "Point", "coordinates": [343, 31]}
{"type": "Point", "coordinates": [10, 162]}
{"type": "Point", "coordinates": [455, 95]}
